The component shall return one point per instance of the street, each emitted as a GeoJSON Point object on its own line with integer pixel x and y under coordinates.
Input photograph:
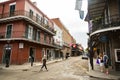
{"type": "Point", "coordinates": [74, 68]}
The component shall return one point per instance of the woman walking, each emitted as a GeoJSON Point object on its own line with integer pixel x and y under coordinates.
{"type": "Point", "coordinates": [44, 63]}
{"type": "Point", "coordinates": [101, 62]}
{"type": "Point", "coordinates": [105, 60]}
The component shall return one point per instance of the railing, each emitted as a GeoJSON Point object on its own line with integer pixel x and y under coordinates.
{"type": "Point", "coordinates": [57, 46]}
{"type": "Point", "coordinates": [21, 35]}
{"type": "Point", "coordinates": [114, 21]}
{"type": "Point", "coordinates": [27, 14]}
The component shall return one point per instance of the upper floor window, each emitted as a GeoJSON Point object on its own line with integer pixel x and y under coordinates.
{"type": "Point", "coordinates": [30, 32]}
{"type": "Point", "coordinates": [34, 34]}
{"type": "Point", "coordinates": [38, 19]}
{"type": "Point", "coordinates": [9, 31]}
{"type": "Point", "coordinates": [46, 21]}
{"type": "Point", "coordinates": [38, 35]}
{"type": "Point", "coordinates": [12, 9]}
{"type": "Point", "coordinates": [45, 38]}
{"type": "Point", "coordinates": [31, 14]}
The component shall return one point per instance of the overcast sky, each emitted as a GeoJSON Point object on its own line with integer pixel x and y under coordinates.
{"type": "Point", "coordinates": [65, 10]}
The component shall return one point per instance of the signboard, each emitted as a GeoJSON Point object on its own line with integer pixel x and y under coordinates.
{"type": "Point", "coordinates": [103, 38]}
{"type": "Point", "coordinates": [21, 45]}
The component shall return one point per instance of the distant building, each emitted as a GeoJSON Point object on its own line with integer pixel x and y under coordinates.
{"type": "Point", "coordinates": [57, 42]}
{"type": "Point", "coordinates": [77, 50]}
{"type": "Point", "coordinates": [25, 31]}
{"type": "Point", "coordinates": [67, 39]}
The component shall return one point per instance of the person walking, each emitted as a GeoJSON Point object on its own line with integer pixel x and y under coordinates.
{"type": "Point", "coordinates": [105, 60]}
{"type": "Point", "coordinates": [44, 63]}
{"type": "Point", "coordinates": [32, 60]}
{"type": "Point", "coordinates": [101, 62]}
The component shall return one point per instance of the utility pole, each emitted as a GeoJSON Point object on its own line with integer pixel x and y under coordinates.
{"type": "Point", "coordinates": [90, 50]}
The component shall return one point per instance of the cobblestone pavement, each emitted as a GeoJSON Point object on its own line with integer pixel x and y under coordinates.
{"type": "Point", "coordinates": [74, 68]}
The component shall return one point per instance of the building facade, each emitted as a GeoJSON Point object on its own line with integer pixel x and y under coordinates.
{"type": "Point", "coordinates": [104, 29]}
{"type": "Point", "coordinates": [67, 39]}
{"type": "Point", "coordinates": [57, 42]}
{"type": "Point", "coordinates": [25, 31]}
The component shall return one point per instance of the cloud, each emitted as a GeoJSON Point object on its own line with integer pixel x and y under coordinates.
{"type": "Point", "coordinates": [65, 10]}
{"type": "Point", "coordinates": [81, 37]}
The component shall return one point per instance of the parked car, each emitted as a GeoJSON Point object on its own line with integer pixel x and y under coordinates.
{"type": "Point", "coordinates": [85, 56]}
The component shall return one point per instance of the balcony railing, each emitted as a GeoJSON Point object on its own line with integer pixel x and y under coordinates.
{"type": "Point", "coordinates": [27, 14]}
{"type": "Point", "coordinates": [114, 21]}
{"type": "Point", "coordinates": [21, 35]}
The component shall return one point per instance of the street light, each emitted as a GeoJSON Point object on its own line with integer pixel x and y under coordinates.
{"type": "Point", "coordinates": [90, 49]}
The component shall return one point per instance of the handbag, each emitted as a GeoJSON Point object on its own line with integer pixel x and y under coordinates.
{"type": "Point", "coordinates": [97, 61]}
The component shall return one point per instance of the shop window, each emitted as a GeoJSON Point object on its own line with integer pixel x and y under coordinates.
{"type": "Point", "coordinates": [117, 55]}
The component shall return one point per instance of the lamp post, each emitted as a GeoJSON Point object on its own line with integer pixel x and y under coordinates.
{"type": "Point", "coordinates": [90, 49]}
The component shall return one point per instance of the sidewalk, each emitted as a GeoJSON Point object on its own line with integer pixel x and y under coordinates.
{"type": "Point", "coordinates": [113, 75]}
{"type": "Point", "coordinates": [26, 66]}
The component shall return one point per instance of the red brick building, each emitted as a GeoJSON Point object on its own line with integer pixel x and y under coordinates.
{"type": "Point", "coordinates": [24, 31]}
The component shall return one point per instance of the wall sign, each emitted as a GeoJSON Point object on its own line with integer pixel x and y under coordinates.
{"type": "Point", "coordinates": [21, 45]}
{"type": "Point", "coordinates": [103, 38]}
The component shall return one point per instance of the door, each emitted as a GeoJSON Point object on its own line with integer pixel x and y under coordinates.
{"type": "Point", "coordinates": [6, 54]}
{"type": "Point", "coordinates": [32, 53]}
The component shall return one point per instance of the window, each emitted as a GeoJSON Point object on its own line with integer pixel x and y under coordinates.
{"type": "Point", "coordinates": [49, 40]}
{"type": "Point", "coordinates": [31, 14]}
{"type": "Point", "coordinates": [38, 35]}
{"type": "Point", "coordinates": [46, 21]}
{"type": "Point", "coordinates": [117, 55]}
{"type": "Point", "coordinates": [34, 34]}
{"type": "Point", "coordinates": [30, 32]}
{"type": "Point", "coordinates": [12, 9]}
{"type": "Point", "coordinates": [45, 38]}
{"type": "Point", "coordinates": [38, 19]}
{"type": "Point", "coordinates": [9, 31]}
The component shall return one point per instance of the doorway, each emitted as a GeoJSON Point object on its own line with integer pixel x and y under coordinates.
{"type": "Point", "coordinates": [6, 54]}
{"type": "Point", "coordinates": [32, 53]}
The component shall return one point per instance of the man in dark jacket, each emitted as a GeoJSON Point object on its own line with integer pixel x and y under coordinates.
{"type": "Point", "coordinates": [44, 63]}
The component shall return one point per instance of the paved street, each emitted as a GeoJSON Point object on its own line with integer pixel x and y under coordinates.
{"type": "Point", "coordinates": [71, 69]}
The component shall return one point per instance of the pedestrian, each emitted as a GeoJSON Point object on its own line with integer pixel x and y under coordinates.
{"type": "Point", "coordinates": [101, 62]}
{"type": "Point", "coordinates": [105, 60]}
{"type": "Point", "coordinates": [44, 63]}
{"type": "Point", "coordinates": [7, 58]}
{"type": "Point", "coordinates": [32, 60]}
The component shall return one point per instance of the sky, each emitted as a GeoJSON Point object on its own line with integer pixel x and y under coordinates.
{"type": "Point", "coordinates": [65, 10]}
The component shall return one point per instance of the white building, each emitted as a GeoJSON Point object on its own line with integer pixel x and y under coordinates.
{"type": "Point", "coordinates": [58, 42]}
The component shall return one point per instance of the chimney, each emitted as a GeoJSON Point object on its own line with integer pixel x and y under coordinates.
{"type": "Point", "coordinates": [35, 3]}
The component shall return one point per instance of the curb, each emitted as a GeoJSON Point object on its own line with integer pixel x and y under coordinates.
{"type": "Point", "coordinates": [109, 78]}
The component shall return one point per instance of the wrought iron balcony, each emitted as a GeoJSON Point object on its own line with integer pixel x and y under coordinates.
{"type": "Point", "coordinates": [23, 14]}
{"type": "Point", "coordinates": [114, 21]}
{"type": "Point", "coordinates": [21, 35]}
